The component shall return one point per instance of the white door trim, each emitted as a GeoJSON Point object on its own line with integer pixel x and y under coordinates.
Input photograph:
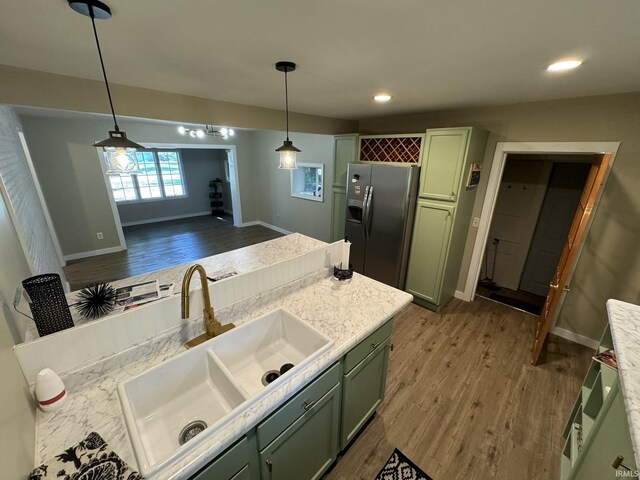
{"type": "Point", "coordinates": [233, 160]}
{"type": "Point", "coordinates": [495, 175]}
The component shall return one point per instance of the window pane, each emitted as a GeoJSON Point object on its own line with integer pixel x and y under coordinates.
{"type": "Point", "coordinates": [148, 181]}
{"type": "Point", "coordinates": [122, 188]}
{"type": "Point", "coordinates": [171, 172]}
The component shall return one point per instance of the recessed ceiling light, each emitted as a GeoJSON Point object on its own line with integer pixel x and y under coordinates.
{"type": "Point", "coordinates": [382, 98]}
{"type": "Point", "coordinates": [564, 65]}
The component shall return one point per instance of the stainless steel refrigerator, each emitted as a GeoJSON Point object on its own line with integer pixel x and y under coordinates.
{"type": "Point", "coordinates": [381, 202]}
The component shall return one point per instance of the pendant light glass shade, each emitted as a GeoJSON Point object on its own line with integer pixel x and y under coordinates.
{"type": "Point", "coordinates": [121, 158]}
{"type": "Point", "coordinates": [288, 156]}
{"type": "Point", "coordinates": [287, 150]}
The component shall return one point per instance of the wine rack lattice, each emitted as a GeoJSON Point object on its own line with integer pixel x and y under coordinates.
{"type": "Point", "coordinates": [390, 149]}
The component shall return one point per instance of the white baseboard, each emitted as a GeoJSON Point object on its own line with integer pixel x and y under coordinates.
{"type": "Point", "coordinates": [164, 219]}
{"type": "Point", "coordinates": [460, 295]}
{"type": "Point", "coordinates": [93, 253]}
{"type": "Point", "coordinates": [268, 225]}
{"type": "Point", "coordinates": [574, 337]}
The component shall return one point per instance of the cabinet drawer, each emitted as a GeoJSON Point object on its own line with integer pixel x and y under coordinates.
{"type": "Point", "coordinates": [368, 345]}
{"type": "Point", "coordinates": [232, 462]}
{"type": "Point", "coordinates": [273, 426]}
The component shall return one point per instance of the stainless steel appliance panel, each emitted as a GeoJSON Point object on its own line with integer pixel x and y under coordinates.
{"type": "Point", "coordinates": [388, 218]}
{"type": "Point", "coordinates": [358, 180]}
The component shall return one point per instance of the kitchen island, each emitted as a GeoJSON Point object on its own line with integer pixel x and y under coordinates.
{"type": "Point", "coordinates": [346, 312]}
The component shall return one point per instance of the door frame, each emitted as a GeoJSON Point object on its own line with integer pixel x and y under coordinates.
{"type": "Point", "coordinates": [233, 181]}
{"type": "Point", "coordinates": [503, 149]}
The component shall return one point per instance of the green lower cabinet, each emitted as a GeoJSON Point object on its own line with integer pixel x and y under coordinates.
{"type": "Point", "coordinates": [429, 250]}
{"type": "Point", "coordinates": [363, 391]}
{"type": "Point", "coordinates": [233, 464]}
{"type": "Point", "coordinates": [244, 474]}
{"type": "Point", "coordinates": [306, 449]}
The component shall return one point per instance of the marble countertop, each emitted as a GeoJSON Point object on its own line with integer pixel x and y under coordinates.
{"type": "Point", "coordinates": [624, 319]}
{"type": "Point", "coordinates": [346, 312]}
{"type": "Point", "coordinates": [242, 260]}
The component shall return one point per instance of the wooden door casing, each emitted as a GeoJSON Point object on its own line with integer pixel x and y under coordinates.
{"type": "Point", "coordinates": [568, 258]}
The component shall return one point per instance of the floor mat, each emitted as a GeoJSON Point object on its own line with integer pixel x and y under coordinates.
{"type": "Point", "coordinates": [399, 467]}
{"type": "Point", "coordinates": [520, 304]}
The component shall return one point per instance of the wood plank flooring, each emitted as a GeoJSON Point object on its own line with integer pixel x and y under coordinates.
{"type": "Point", "coordinates": [463, 401]}
{"type": "Point", "coordinates": [154, 246]}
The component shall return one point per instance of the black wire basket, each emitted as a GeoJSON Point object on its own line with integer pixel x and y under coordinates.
{"type": "Point", "coordinates": [48, 303]}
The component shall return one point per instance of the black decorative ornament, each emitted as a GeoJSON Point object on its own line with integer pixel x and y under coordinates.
{"type": "Point", "coordinates": [96, 301]}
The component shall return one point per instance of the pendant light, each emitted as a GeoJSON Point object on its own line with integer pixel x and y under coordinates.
{"type": "Point", "coordinates": [121, 152]}
{"type": "Point", "coordinates": [287, 150]}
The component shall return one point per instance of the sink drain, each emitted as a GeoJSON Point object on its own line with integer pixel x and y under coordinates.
{"type": "Point", "coordinates": [270, 376]}
{"type": "Point", "coordinates": [191, 430]}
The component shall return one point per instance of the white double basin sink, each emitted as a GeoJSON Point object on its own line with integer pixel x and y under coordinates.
{"type": "Point", "coordinates": [175, 406]}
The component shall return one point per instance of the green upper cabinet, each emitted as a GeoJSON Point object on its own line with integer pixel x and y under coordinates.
{"type": "Point", "coordinates": [444, 158]}
{"type": "Point", "coordinates": [345, 150]}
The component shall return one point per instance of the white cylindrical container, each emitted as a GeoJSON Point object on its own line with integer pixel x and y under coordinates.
{"type": "Point", "coordinates": [50, 391]}
{"type": "Point", "coordinates": [346, 247]}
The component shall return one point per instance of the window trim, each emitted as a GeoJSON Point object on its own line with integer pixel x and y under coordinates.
{"type": "Point", "coordinates": [303, 196]}
{"type": "Point", "coordinates": [154, 152]}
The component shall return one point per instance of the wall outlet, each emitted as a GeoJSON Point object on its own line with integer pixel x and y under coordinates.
{"type": "Point", "coordinates": [476, 222]}
{"type": "Point", "coordinates": [100, 236]}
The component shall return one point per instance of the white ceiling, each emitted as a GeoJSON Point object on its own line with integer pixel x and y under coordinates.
{"type": "Point", "coordinates": [429, 54]}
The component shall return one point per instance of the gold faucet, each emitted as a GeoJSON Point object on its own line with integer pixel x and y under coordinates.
{"type": "Point", "coordinates": [211, 324]}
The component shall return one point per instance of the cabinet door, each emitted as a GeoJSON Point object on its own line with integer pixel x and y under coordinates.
{"type": "Point", "coordinates": [443, 162]}
{"type": "Point", "coordinates": [429, 250]}
{"type": "Point", "coordinates": [243, 474]}
{"type": "Point", "coordinates": [309, 446]}
{"type": "Point", "coordinates": [345, 150]}
{"type": "Point", "coordinates": [233, 464]}
{"type": "Point", "coordinates": [339, 206]}
{"type": "Point", "coordinates": [363, 391]}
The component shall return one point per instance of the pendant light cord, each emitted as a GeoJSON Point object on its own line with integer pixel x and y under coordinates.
{"type": "Point", "coordinates": [286, 101]}
{"type": "Point", "coordinates": [104, 72]}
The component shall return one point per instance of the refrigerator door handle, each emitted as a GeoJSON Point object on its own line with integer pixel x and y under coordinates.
{"type": "Point", "coordinates": [368, 211]}
{"type": "Point", "coordinates": [365, 214]}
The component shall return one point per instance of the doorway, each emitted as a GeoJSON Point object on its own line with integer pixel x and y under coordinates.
{"type": "Point", "coordinates": [230, 187]}
{"type": "Point", "coordinates": [537, 200]}
{"type": "Point", "coordinates": [606, 152]}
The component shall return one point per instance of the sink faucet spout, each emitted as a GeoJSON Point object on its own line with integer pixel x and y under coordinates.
{"type": "Point", "coordinates": [211, 324]}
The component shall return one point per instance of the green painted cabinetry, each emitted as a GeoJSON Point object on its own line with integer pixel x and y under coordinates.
{"type": "Point", "coordinates": [443, 213]}
{"type": "Point", "coordinates": [234, 464]}
{"type": "Point", "coordinates": [344, 152]}
{"type": "Point", "coordinates": [444, 157]}
{"type": "Point", "coordinates": [431, 237]}
{"type": "Point", "coordinates": [597, 430]}
{"type": "Point", "coordinates": [363, 390]}
{"type": "Point", "coordinates": [307, 448]}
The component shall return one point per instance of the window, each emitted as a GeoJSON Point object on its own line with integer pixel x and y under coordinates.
{"type": "Point", "coordinates": [160, 177]}
{"type": "Point", "coordinates": [306, 181]}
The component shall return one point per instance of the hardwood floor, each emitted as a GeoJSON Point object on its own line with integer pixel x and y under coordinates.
{"type": "Point", "coordinates": [154, 246]}
{"type": "Point", "coordinates": [463, 401]}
